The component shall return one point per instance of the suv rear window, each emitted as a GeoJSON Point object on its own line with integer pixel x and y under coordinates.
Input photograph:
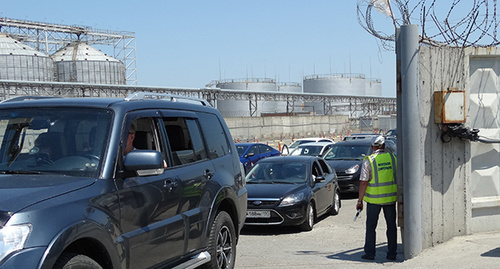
{"type": "Point", "coordinates": [218, 145]}
{"type": "Point", "coordinates": [185, 140]}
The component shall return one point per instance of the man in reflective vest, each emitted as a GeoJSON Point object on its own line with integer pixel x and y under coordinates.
{"type": "Point", "coordinates": [379, 190]}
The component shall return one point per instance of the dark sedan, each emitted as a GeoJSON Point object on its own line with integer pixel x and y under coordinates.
{"type": "Point", "coordinates": [346, 157]}
{"type": "Point", "coordinates": [251, 153]}
{"type": "Point", "coordinates": [291, 190]}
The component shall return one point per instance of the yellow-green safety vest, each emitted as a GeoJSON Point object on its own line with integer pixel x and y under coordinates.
{"type": "Point", "coordinates": [382, 188]}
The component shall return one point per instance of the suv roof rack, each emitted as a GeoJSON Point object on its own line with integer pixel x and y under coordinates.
{"type": "Point", "coordinates": [25, 98]}
{"type": "Point", "coordinates": [165, 96]}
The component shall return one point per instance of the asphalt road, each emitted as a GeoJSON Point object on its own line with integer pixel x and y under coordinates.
{"type": "Point", "coordinates": [335, 241]}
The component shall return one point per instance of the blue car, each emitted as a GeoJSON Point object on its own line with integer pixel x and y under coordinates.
{"type": "Point", "coordinates": [251, 153]}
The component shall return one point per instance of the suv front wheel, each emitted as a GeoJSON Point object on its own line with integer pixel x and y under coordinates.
{"type": "Point", "coordinates": [73, 260]}
{"type": "Point", "coordinates": [222, 242]}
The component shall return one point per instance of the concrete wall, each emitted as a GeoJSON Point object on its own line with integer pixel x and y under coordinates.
{"type": "Point", "coordinates": [484, 69]}
{"type": "Point", "coordinates": [446, 197]}
{"type": "Point", "coordinates": [270, 128]}
{"type": "Point", "coordinates": [461, 192]}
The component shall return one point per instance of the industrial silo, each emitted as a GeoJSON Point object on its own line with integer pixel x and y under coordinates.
{"type": "Point", "coordinates": [79, 62]}
{"type": "Point", "coordinates": [21, 62]}
{"type": "Point", "coordinates": [334, 84]}
{"type": "Point", "coordinates": [241, 108]}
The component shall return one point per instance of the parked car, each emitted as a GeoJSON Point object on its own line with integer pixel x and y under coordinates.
{"type": "Point", "coordinates": [346, 157]}
{"type": "Point", "coordinates": [251, 153]}
{"type": "Point", "coordinates": [312, 149]}
{"type": "Point", "coordinates": [287, 149]}
{"type": "Point", "coordinates": [70, 197]}
{"type": "Point", "coordinates": [391, 133]}
{"type": "Point", "coordinates": [361, 136]}
{"type": "Point", "coordinates": [291, 190]}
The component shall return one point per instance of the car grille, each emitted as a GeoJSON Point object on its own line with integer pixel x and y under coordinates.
{"type": "Point", "coordinates": [262, 203]}
{"type": "Point", "coordinates": [344, 177]}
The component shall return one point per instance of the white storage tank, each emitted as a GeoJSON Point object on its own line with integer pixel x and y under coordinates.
{"type": "Point", "coordinates": [374, 87]}
{"type": "Point", "coordinates": [334, 84]}
{"type": "Point", "coordinates": [79, 62]}
{"type": "Point", "coordinates": [289, 87]}
{"type": "Point", "coordinates": [241, 108]}
{"type": "Point", "coordinates": [21, 62]}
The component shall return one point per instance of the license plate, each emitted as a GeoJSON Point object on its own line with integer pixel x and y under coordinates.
{"type": "Point", "coordinates": [258, 214]}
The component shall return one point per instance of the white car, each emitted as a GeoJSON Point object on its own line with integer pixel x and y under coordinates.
{"type": "Point", "coordinates": [287, 149]}
{"type": "Point", "coordinates": [361, 136]}
{"type": "Point", "coordinates": [312, 149]}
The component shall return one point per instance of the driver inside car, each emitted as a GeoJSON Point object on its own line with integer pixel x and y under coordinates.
{"type": "Point", "coordinates": [46, 150]}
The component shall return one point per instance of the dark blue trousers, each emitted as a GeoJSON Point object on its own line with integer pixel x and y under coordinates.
{"type": "Point", "coordinates": [372, 214]}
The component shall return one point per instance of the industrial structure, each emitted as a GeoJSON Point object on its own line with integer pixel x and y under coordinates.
{"type": "Point", "coordinates": [44, 59]}
{"type": "Point", "coordinates": [48, 38]}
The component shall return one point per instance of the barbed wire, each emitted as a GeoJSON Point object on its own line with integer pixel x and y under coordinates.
{"type": "Point", "coordinates": [455, 23]}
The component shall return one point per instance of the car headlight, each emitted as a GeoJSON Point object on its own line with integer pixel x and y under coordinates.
{"type": "Point", "coordinates": [292, 199]}
{"type": "Point", "coordinates": [352, 170]}
{"type": "Point", "coordinates": [12, 238]}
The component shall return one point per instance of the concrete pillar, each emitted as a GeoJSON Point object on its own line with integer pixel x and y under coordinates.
{"type": "Point", "coordinates": [410, 127]}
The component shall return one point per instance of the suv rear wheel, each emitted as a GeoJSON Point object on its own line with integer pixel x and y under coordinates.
{"type": "Point", "coordinates": [222, 242]}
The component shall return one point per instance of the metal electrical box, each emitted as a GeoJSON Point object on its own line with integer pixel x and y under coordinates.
{"type": "Point", "coordinates": [449, 106]}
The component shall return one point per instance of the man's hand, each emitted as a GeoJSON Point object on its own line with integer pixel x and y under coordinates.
{"type": "Point", "coordinates": [359, 205]}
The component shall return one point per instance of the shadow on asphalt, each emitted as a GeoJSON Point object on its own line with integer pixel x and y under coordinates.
{"type": "Point", "coordinates": [275, 230]}
{"type": "Point", "coordinates": [347, 196]}
{"type": "Point", "coordinates": [269, 230]}
{"type": "Point", "coordinates": [492, 253]}
{"type": "Point", "coordinates": [356, 253]}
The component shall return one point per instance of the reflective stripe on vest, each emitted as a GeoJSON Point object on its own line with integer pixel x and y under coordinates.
{"type": "Point", "coordinates": [382, 186]}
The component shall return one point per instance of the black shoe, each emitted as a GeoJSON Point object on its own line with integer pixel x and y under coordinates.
{"type": "Point", "coordinates": [392, 258]}
{"type": "Point", "coordinates": [366, 257]}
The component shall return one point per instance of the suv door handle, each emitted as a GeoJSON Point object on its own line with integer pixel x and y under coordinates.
{"type": "Point", "coordinates": [209, 174]}
{"type": "Point", "coordinates": [170, 185]}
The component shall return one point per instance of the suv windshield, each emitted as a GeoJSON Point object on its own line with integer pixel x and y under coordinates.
{"type": "Point", "coordinates": [69, 141]}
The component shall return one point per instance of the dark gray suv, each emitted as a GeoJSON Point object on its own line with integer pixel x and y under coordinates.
{"type": "Point", "coordinates": [149, 181]}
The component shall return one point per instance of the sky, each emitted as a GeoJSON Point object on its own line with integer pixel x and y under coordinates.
{"type": "Point", "coordinates": [188, 43]}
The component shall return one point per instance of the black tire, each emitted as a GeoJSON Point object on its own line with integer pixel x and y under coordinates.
{"type": "Point", "coordinates": [222, 243]}
{"type": "Point", "coordinates": [76, 261]}
{"type": "Point", "coordinates": [336, 203]}
{"type": "Point", "coordinates": [309, 222]}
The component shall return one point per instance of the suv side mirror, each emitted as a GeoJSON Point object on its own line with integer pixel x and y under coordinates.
{"type": "Point", "coordinates": [144, 162]}
{"type": "Point", "coordinates": [319, 179]}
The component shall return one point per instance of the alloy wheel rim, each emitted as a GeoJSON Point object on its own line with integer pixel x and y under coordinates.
{"type": "Point", "coordinates": [224, 248]}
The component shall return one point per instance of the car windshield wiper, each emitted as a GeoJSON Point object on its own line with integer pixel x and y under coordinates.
{"type": "Point", "coordinates": [282, 182]}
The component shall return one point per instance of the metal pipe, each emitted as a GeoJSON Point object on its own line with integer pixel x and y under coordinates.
{"type": "Point", "coordinates": [412, 146]}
